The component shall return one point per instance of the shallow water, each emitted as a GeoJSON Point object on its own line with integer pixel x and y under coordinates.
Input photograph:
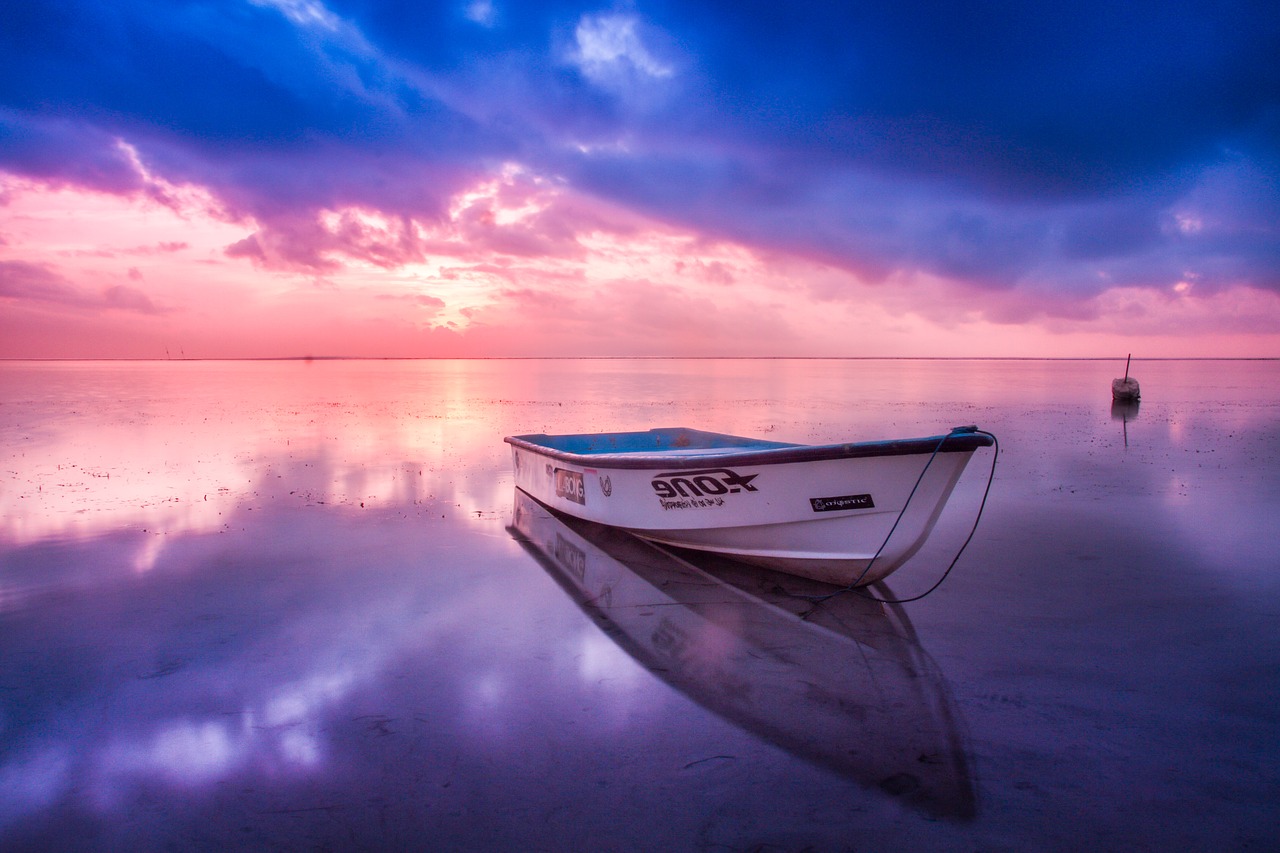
{"type": "Point", "coordinates": [289, 605]}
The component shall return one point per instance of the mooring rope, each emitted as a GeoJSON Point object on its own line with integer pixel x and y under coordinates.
{"type": "Point", "coordinates": [852, 586]}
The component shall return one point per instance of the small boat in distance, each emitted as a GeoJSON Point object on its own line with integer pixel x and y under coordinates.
{"type": "Point", "coordinates": [846, 514]}
{"type": "Point", "coordinates": [1125, 390]}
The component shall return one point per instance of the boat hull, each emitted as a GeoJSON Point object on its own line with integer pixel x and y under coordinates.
{"type": "Point", "coordinates": [820, 512]}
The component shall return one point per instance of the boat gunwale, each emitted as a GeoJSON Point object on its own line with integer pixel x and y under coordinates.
{"type": "Point", "coordinates": [780, 455]}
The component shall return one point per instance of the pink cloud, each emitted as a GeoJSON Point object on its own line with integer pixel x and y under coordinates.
{"type": "Point", "coordinates": [125, 298]}
{"type": "Point", "coordinates": [33, 282]}
{"type": "Point", "coordinates": [39, 285]}
{"type": "Point", "coordinates": [420, 300]}
{"type": "Point", "coordinates": [523, 267]}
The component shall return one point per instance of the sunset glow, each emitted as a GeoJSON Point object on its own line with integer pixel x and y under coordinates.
{"type": "Point", "coordinates": [481, 181]}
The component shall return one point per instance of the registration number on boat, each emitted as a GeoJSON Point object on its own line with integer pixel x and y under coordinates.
{"type": "Point", "coordinates": [569, 486]}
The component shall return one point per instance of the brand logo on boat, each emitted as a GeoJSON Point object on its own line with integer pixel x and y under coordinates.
{"type": "Point", "coordinates": [696, 484]}
{"type": "Point", "coordinates": [842, 502]}
{"type": "Point", "coordinates": [569, 486]}
{"type": "Point", "coordinates": [606, 485]}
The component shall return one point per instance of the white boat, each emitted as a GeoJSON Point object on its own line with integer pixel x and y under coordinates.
{"type": "Point", "coordinates": [824, 512]}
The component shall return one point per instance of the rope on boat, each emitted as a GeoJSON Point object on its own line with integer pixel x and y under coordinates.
{"type": "Point", "coordinates": [852, 587]}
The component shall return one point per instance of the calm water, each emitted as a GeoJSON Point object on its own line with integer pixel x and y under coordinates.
{"type": "Point", "coordinates": [289, 605]}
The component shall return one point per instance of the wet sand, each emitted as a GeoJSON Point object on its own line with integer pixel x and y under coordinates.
{"type": "Point", "coordinates": [293, 605]}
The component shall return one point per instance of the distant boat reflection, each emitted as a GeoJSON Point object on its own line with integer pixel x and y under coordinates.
{"type": "Point", "coordinates": [1124, 411]}
{"type": "Point", "coordinates": [847, 687]}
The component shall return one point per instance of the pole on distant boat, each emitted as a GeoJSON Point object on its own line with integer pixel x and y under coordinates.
{"type": "Point", "coordinates": [1126, 365]}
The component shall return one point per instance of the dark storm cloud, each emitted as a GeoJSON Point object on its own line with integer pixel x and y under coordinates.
{"type": "Point", "coordinates": [1001, 144]}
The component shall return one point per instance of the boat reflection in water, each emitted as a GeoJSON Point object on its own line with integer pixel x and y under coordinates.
{"type": "Point", "coordinates": [847, 686]}
{"type": "Point", "coordinates": [1124, 411]}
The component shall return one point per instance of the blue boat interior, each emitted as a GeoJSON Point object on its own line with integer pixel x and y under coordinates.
{"type": "Point", "coordinates": [666, 440]}
{"type": "Point", "coordinates": [674, 446]}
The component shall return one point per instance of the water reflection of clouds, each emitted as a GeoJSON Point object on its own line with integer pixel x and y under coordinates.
{"type": "Point", "coordinates": [31, 781]}
{"type": "Point", "coordinates": [299, 650]}
{"type": "Point", "coordinates": [236, 658]}
{"type": "Point", "coordinates": [171, 481]}
{"type": "Point", "coordinates": [600, 661]}
{"type": "Point", "coordinates": [168, 446]}
{"type": "Point", "coordinates": [142, 473]}
{"type": "Point", "coordinates": [1196, 471]}
{"type": "Point", "coordinates": [278, 733]}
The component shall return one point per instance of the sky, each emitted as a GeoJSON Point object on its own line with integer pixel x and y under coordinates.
{"type": "Point", "coordinates": [402, 178]}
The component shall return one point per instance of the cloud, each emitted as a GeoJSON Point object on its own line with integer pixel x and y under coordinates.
{"type": "Point", "coordinates": [432, 304]}
{"type": "Point", "coordinates": [61, 152]}
{"type": "Point", "coordinates": [27, 282]}
{"type": "Point", "coordinates": [125, 298]}
{"type": "Point", "coordinates": [323, 243]}
{"type": "Point", "coordinates": [304, 13]}
{"type": "Point", "coordinates": [36, 284]}
{"type": "Point", "coordinates": [632, 316]}
{"type": "Point", "coordinates": [481, 12]}
{"type": "Point", "coordinates": [611, 51]}
{"type": "Point", "coordinates": [1033, 157]}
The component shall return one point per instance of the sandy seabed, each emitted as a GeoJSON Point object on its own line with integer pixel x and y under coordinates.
{"type": "Point", "coordinates": [299, 605]}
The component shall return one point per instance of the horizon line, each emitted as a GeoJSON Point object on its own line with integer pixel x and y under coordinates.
{"type": "Point", "coordinates": [309, 358]}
